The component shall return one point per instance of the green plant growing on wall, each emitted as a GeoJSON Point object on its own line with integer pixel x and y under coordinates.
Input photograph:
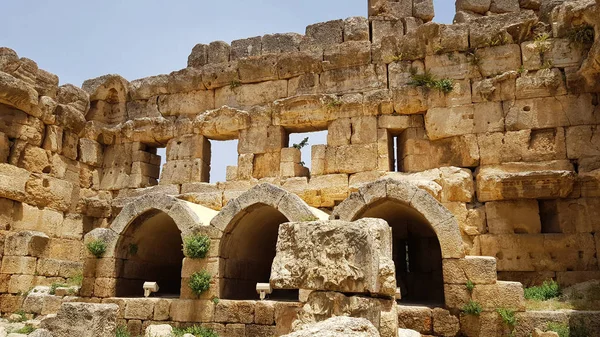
{"type": "Point", "coordinates": [508, 318]}
{"type": "Point", "coordinates": [234, 84]}
{"type": "Point", "coordinates": [197, 331]}
{"type": "Point", "coordinates": [27, 329]}
{"type": "Point", "coordinates": [133, 249]}
{"type": "Point", "coordinates": [122, 331]}
{"type": "Point", "coordinates": [398, 57]}
{"type": "Point", "coordinates": [470, 285]}
{"type": "Point", "coordinates": [196, 246]}
{"type": "Point", "coordinates": [336, 103]}
{"type": "Point", "coordinates": [561, 329]}
{"type": "Point", "coordinates": [55, 285]}
{"type": "Point", "coordinates": [548, 290]}
{"type": "Point", "coordinates": [96, 247]}
{"type": "Point", "coordinates": [199, 282]}
{"type": "Point", "coordinates": [472, 308]}
{"type": "Point", "coordinates": [582, 35]}
{"type": "Point", "coordinates": [427, 80]}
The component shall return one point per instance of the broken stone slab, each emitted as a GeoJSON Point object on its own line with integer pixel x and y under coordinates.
{"type": "Point", "coordinates": [83, 319]}
{"type": "Point", "coordinates": [162, 330]}
{"type": "Point", "coordinates": [18, 94]}
{"type": "Point", "coordinates": [339, 327]}
{"type": "Point", "coordinates": [525, 180]}
{"type": "Point", "coordinates": [349, 257]}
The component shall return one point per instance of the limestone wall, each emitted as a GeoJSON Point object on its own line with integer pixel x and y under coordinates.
{"type": "Point", "coordinates": [511, 150]}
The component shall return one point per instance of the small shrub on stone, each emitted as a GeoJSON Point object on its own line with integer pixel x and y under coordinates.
{"type": "Point", "coordinates": [199, 282]}
{"type": "Point", "coordinates": [470, 285]}
{"type": "Point", "coordinates": [197, 246]}
{"type": "Point", "coordinates": [27, 329]}
{"type": "Point", "coordinates": [561, 329]}
{"type": "Point", "coordinates": [548, 290]}
{"type": "Point", "coordinates": [427, 80]}
{"type": "Point", "coordinates": [76, 280]}
{"type": "Point", "coordinates": [508, 317]}
{"type": "Point", "coordinates": [197, 331]}
{"type": "Point", "coordinates": [472, 308]}
{"type": "Point", "coordinates": [96, 247]}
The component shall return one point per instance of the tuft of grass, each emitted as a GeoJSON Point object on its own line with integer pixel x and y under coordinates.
{"type": "Point", "coordinates": [199, 282]}
{"type": "Point", "coordinates": [427, 80]}
{"type": "Point", "coordinates": [560, 328]}
{"type": "Point", "coordinates": [234, 84]}
{"type": "Point", "coordinates": [196, 330]}
{"type": "Point", "coordinates": [97, 247]}
{"type": "Point", "coordinates": [55, 285]}
{"type": "Point", "coordinates": [398, 57]}
{"type": "Point", "coordinates": [508, 317]}
{"type": "Point", "coordinates": [470, 285]}
{"type": "Point", "coordinates": [76, 280]}
{"type": "Point", "coordinates": [472, 308]}
{"type": "Point", "coordinates": [27, 329]}
{"type": "Point", "coordinates": [22, 316]}
{"type": "Point", "coordinates": [122, 331]}
{"type": "Point", "coordinates": [215, 300]}
{"type": "Point", "coordinates": [196, 246]}
{"type": "Point", "coordinates": [334, 104]}
{"type": "Point", "coordinates": [582, 35]}
{"type": "Point", "coordinates": [548, 290]}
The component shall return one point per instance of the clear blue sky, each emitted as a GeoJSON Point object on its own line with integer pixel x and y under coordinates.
{"type": "Point", "coordinates": [78, 40]}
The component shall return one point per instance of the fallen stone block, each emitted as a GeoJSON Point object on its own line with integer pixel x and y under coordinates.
{"type": "Point", "coordinates": [357, 257]}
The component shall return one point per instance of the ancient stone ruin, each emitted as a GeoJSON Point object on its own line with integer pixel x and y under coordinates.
{"type": "Point", "coordinates": [462, 165]}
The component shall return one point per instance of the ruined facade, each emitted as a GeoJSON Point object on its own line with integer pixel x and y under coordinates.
{"type": "Point", "coordinates": [473, 140]}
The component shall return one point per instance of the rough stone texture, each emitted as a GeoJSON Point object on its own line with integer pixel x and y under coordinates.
{"type": "Point", "coordinates": [83, 319]}
{"type": "Point", "coordinates": [339, 326]}
{"type": "Point", "coordinates": [357, 260]}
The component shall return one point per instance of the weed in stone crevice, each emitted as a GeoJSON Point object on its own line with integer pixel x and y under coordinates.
{"type": "Point", "coordinates": [561, 329]}
{"type": "Point", "coordinates": [470, 286]}
{"type": "Point", "coordinates": [97, 247]}
{"type": "Point", "coordinates": [427, 80]}
{"type": "Point", "coordinates": [196, 246]}
{"type": "Point", "coordinates": [199, 282]}
{"type": "Point", "coordinates": [508, 318]}
{"type": "Point", "coordinates": [548, 290]}
{"type": "Point", "coordinates": [472, 308]}
{"type": "Point", "coordinates": [234, 84]}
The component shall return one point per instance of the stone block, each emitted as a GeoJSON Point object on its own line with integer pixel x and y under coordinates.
{"type": "Point", "coordinates": [186, 103]}
{"type": "Point", "coordinates": [325, 33]}
{"type": "Point", "coordinates": [12, 182]}
{"type": "Point", "coordinates": [264, 313]}
{"type": "Point", "coordinates": [444, 324]}
{"type": "Point", "coordinates": [18, 265]}
{"type": "Point", "coordinates": [513, 217]}
{"type": "Point", "coordinates": [543, 83]}
{"type": "Point", "coordinates": [248, 95]}
{"type": "Point", "coordinates": [540, 113]}
{"type": "Point", "coordinates": [477, 6]}
{"type": "Point", "coordinates": [218, 52]}
{"type": "Point", "coordinates": [375, 277]}
{"type": "Point", "coordinates": [258, 69]}
{"type": "Point", "coordinates": [83, 319]}
{"type": "Point", "coordinates": [525, 181]}
{"type": "Point", "coordinates": [184, 171]}
{"type": "Point", "coordinates": [499, 59]}
{"type": "Point", "coordinates": [581, 141]}
{"type": "Point", "coordinates": [26, 243]}
{"type": "Point", "coordinates": [504, 6]}
{"type": "Point", "coordinates": [416, 153]}
{"type": "Point", "coordinates": [281, 43]}
{"type": "Point", "coordinates": [227, 311]}
{"type": "Point", "coordinates": [477, 269]}
{"type": "Point", "coordinates": [198, 56]}
{"type": "Point", "coordinates": [347, 54]}
{"type": "Point", "coordinates": [453, 66]}
{"type": "Point", "coordinates": [558, 53]}
{"type": "Point", "coordinates": [416, 318]}
{"type": "Point", "coordinates": [142, 308]}
{"type": "Point", "coordinates": [461, 120]}
{"type": "Point", "coordinates": [354, 79]}
{"type": "Point", "coordinates": [502, 294]}
{"type": "Point", "coordinates": [91, 152]}
{"type": "Point", "coordinates": [571, 215]}
{"type": "Point", "coordinates": [423, 9]}
{"type": "Point", "coordinates": [220, 75]}
{"type": "Point", "coordinates": [246, 47]}
{"type": "Point", "coordinates": [189, 147]}
{"type": "Point", "coordinates": [351, 158]}
{"type": "Point", "coordinates": [523, 145]}
{"type": "Point", "coordinates": [356, 29]}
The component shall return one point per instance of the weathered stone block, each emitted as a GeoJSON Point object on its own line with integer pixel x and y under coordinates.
{"type": "Point", "coordinates": [525, 181]}
{"type": "Point", "coordinates": [445, 324]}
{"type": "Point", "coordinates": [299, 244]}
{"type": "Point", "coordinates": [571, 215]}
{"type": "Point", "coordinates": [83, 319]}
{"type": "Point", "coordinates": [513, 217]}
{"type": "Point", "coordinates": [26, 243]}
{"type": "Point", "coordinates": [477, 269]}
{"type": "Point", "coordinates": [227, 311]}
{"type": "Point", "coordinates": [18, 265]}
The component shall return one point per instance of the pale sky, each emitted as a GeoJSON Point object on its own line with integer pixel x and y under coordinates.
{"type": "Point", "coordinates": [78, 40]}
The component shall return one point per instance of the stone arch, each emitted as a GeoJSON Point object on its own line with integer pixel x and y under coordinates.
{"type": "Point", "coordinates": [249, 226]}
{"type": "Point", "coordinates": [142, 219]}
{"type": "Point", "coordinates": [424, 234]}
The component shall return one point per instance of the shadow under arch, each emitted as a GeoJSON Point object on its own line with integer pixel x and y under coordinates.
{"type": "Point", "coordinates": [250, 226]}
{"type": "Point", "coordinates": [150, 250]}
{"type": "Point", "coordinates": [424, 233]}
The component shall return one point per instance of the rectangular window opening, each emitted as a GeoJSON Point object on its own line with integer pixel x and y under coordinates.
{"type": "Point", "coordinates": [311, 146]}
{"type": "Point", "coordinates": [223, 160]}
